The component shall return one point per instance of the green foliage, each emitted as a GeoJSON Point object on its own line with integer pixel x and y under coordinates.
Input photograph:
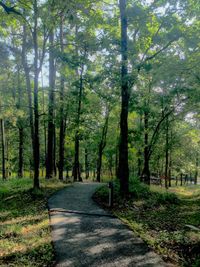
{"type": "Point", "coordinates": [160, 218]}
{"type": "Point", "coordinates": [24, 223]}
{"type": "Point", "coordinates": [139, 190]}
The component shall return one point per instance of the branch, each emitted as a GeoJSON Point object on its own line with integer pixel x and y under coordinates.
{"type": "Point", "coordinates": [9, 10]}
{"type": "Point", "coordinates": [156, 53]}
{"type": "Point", "coordinates": [153, 139]}
{"type": "Point", "coordinates": [153, 37]}
{"type": "Point", "coordinates": [159, 51]}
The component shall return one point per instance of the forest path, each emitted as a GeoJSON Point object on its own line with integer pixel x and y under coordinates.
{"type": "Point", "coordinates": [86, 235]}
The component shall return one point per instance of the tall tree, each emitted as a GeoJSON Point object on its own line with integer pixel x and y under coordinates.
{"type": "Point", "coordinates": [51, 126]}
{"type": "Point", "coordinates": [102, 145]}
{"type": "Point", "coordinates": [61, 117]}
{"type": "Point", "coordinates": [123, 169]}
{"type": "Point", "coordinates": [3, 148]}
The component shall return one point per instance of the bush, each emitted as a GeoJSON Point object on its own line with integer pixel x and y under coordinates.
{"type": "Point", "coordinates": [167, 198]}
{"type": "Point", "coordinates": [138, 189]}
{"type": "Point", "coordinates": [101, 193]}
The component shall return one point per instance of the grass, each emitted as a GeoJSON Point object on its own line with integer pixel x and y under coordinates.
{"type": "Point", "coordinates": [25, 238]}
{"type": "Point", "coordinates": [160, 218]}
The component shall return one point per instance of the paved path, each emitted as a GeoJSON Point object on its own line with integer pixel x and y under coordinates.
{"type": "Point", "coordinates": [85, 235]}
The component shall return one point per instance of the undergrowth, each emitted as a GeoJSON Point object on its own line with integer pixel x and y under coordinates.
{"type": "Point", "coordinates": [161, 217]}
{"type": "Point", "coordinates": [25, 238]}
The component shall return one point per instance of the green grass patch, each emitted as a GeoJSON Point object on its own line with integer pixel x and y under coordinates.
{"type": "Point", "coordinates": [160, 218]}
{"type": "Point", "coordinates": [25, 238]}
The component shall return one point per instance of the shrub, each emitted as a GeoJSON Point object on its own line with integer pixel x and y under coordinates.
{"type": "Point", "coordinates": [138, 189]}
{"type": "Point", "coordinates": [167, 198]}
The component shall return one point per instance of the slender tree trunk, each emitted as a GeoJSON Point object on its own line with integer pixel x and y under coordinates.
{"type": "Point", "coordinates": [54, 153]}
{"type": "Point", "coordinates": [99, 162]}
{"type": "Point", "coordinates": [21, 146]}
{"type": "Point", "coordinates": [123, 169]}
{"type": "Point", "coordinates": [139, 172]}
{"type": "Point", "coordinates": [139, 164]}
{"type": "Point", "coordinates": [76, 168]}
{"type": "Point", "coordinates": [102, 145]}
{"type": "Point", "coordinates": [3, 149]}
{"type": "Point", "coordinates": [62, 123]}
{"type": "Point", "coordinates": [87, 173]}
{"type": "Point", "coordinates": [167, 153]}
{"type": "Point", "coordinates": [44, 123]}
{"type": "Point", "coordinates": [28, 84]}
{"type": "Point", "coordinates": [111, 165]}
{"type": "Point", "coordinates": [36, 111]}
{"type": "Point", "coordinates": [170, 159]}
{"type": "Point", "coordinates": [146, 171]}
{"type": "Point", "coordinates": [181, 179]}
{"type": "Point", "coordinates": [50, 142]}
{"type": "Point", "coordinates": [20, 128]}
{"type": "Point", "coordinates": [196, 171]}
{"type": "Point", "coordinates": [170, 169]}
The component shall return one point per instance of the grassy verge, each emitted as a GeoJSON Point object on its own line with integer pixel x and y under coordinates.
{"type": "Point", "coordinates": [25, 238]}
{"type": "Point", "coordinates": [161, 219]}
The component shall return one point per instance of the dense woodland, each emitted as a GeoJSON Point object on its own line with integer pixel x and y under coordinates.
{"type": "Point", "coordinates": [92, 89]}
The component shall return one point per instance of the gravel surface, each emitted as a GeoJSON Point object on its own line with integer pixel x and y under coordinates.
{"type": "Point", "coordinates": [86, 235]}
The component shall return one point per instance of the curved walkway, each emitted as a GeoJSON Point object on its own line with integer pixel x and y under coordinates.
{"type": "Point", "coordinates": [86, 235]}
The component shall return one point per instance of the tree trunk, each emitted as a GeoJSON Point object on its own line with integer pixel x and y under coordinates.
{"type": "Point", "coordinates": [54, 152]}
{"type": "Point", "coordinates": [170, 169]}
{"type": "Point", "coordinates": [123, 169]}
{"type": "Point", "coordinates": [76, 168]}
{"type": "Point", "coordinates": [36, 111]}
{"type": "Point", "coordinates": [20, 127]}
{"type": "Point", "coordinates": [62, 123]}
{"type": "Point", "coordinates": [99, 163]}
{"type": "Point", "coordinates": [50, 141]}
{"type": "Point", "coordinates": [28, 84]}
{"type": "Point", "coordinates": [196, 171]}
{"type": "Point", "coordinates": [139, 173]}
{"type": "Point", "coordinates": [3, 149]}
{"type": "Point", "coordinates": [117, 160]}
{"type": "Point", "coordinates": [167, 153]}
{"type": "Point", "coordinates": [21, 146]}
{"type": "Point", "coordinates": [146, 171]}
{"type": "Point", "coordinates": [139, 163]}
{"type": "Point", "coordinates": [87, 173]}
{"type": "Point", "coordinates": [111, 165]}
{"type": "Point", "coordinates": [44, 122]}
{"type": "Point", "coordinates": [102, 145]}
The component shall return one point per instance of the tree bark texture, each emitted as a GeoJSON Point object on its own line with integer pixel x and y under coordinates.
{"type": "Point", "coordinates": [36, 111]}
{"type": "Point", "coordinates": [102, 145]}
{"type": "Point", "coordinates": [87, 173]}
{"type": "Point", "coordinates": [28, 84]}
{"type": "Point", "coordinates": [167, 153]}
{"type": "Point", "coordinates": [123, 169]}
{"type": "Point", "coordinates": [76, 168]}
{"type": "Point", "coordinates": [50, 141]}
{"type": "Point", "coordinates": [146, 171]}
{"type": "Point", "coordinates": [3, 146]}
{"type": "Point", "coordinates": [62, 123]}
{"type": "Point", "coordinates": [20, 128]}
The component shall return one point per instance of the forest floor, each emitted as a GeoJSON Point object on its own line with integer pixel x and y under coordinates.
{"type": "Point", "coordinates": [168, 221]}
{"type": "Point", "coordinates": [86, 235]}
{"type": "Point", "coordinates": [25, 238]}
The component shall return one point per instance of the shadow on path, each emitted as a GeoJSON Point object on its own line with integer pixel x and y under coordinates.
{"type": "Point", "coordinates": [90, 237]}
